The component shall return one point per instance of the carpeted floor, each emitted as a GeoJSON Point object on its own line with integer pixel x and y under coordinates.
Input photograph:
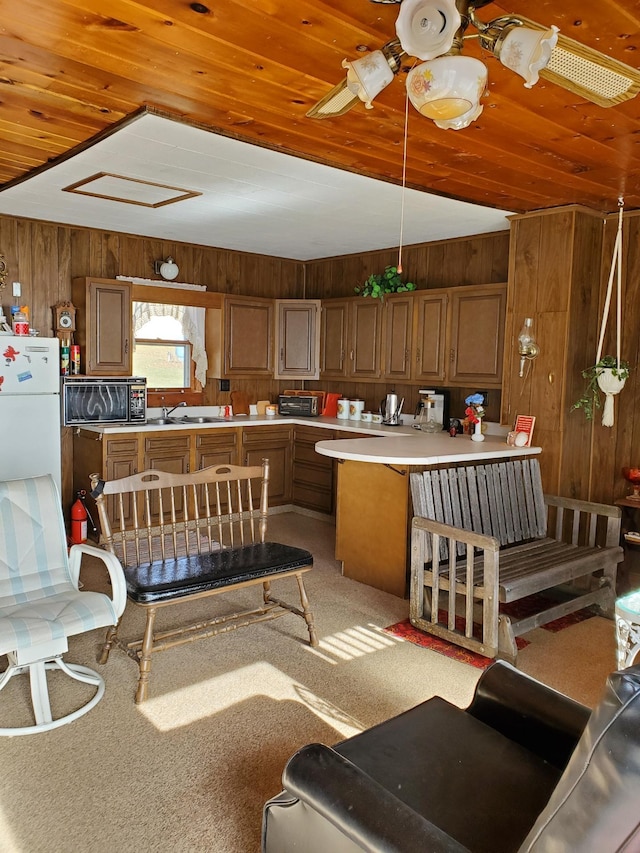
{"type": "Point", "coordinates": [521, 608]}
{"type": "Point", "coordinates": [189, 770]}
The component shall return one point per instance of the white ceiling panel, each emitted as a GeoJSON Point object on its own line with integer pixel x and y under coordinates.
{"type": "Point", "coordinates": [252, 199]}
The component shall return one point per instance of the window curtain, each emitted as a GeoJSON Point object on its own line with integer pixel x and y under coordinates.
{"type": "Point", "coordinates": [192, 321]}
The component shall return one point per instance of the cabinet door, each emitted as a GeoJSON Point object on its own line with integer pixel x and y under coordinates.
{"type": "Point", "coordinates": [430, 318]}
{"type": "Point", "coordinates": [248, 327]}
{"type": "Point", "coordinates": [274, 444]}
{"type": "Point", "coordinates": [397, 334]}
{"type": "Point", "coordinates": [312, 473]}
{"type": "Point", "coordinates": [170, 454]}
{"type": "Point", "coordinates": [476, 338]}
{"type": "Point", "coordinates": [297, 339]}
{"type": "Point", "coordinates": [365, 336]}
{"type": "Point", "coordinates": [120, 460]}
{"type": "Point", "coordinates": [334, 328]}
{"type": "Point", "coordinates": [109, 328]}
{"type": "Point", "coordinates": [215, 447]}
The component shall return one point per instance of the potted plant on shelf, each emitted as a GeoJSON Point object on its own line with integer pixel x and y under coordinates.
{"type": "Point", "coordinates": [387, 282]}
{"type": "Point", "coordinates": [607, 376]}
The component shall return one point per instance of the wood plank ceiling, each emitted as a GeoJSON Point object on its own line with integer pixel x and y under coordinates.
{"type": "Point", "coordinates": [70, 69]}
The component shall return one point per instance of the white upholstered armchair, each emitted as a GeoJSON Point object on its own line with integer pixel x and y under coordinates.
{"type": "Point", "coordinates": [41, 604]}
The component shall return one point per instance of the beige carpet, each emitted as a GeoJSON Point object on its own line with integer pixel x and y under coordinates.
{"type": "Point", "coordinates": [190, 769]}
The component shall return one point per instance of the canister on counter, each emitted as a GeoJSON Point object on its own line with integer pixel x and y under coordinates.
{"type": "Point", "coordinates": [343, 408]}
{"type": "Point", "coordinates": [64, 359]}
{"type": "Point", "coordinates": [75, 360]}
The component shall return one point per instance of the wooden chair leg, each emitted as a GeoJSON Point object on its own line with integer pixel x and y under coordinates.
{"type": "Point", "coordinates": [145, 657]}
{"type": "Point", "coordinates": [507, 648]}
{"type": "Point", "coordinates": [307, 613]}
{"type": "Point", "coordinates": [110, 639]}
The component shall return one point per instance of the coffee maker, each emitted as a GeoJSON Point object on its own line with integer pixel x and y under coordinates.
{"type": "Point", "coordinates": [430, 411]}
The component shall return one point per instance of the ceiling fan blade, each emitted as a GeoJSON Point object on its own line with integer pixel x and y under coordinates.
{"type": "Point", "coordinates": [336, 102]}
{"type": "Point", "coordinates": [588, 72]}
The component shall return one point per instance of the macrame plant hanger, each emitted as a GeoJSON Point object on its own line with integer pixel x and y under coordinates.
{"type": "Point", "coordinates": [609, 383]}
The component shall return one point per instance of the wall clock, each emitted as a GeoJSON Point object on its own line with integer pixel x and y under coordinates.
{"type": "Point", "coordinates": [64, 319]}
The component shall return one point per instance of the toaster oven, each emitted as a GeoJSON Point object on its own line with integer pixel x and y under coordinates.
{"type": "Point", "coordinates": [305, 407]}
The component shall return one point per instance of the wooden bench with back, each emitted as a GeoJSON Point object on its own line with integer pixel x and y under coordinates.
{"type": "Point", "coordinates": [498, 539]}
{"type": "Point", "coordinates": [195, 535]}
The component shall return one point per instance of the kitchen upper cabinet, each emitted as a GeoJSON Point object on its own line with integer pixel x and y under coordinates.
{"type": "Point", "coordinates": [429, 340]}
{"type": "Point", "coordinates": [366, 336]}
{"type": "Point", "coordinates": [239, 338]}
{"type": "Point", "coordinates": [351, 336]}
{"type": "Point", "coordinates": [476, 335]}
{"type": "Point", "coordinates": [451, 336]}
{"type": "Point", "coordinates": [334, 331]}
{"type": "Point", "coordinates": [397, 336]}
{"type": "Point", "coordinates": [103, 325]}
{"type": "Point", "coordinates": [297, 341]}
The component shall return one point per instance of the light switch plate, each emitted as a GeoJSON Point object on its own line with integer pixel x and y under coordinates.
{"type": "Point", "coordinates": [17, 288]}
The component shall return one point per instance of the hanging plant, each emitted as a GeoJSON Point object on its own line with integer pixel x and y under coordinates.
{"type": "Point", "coordinates": [606, 377]}
{"type": "Point", "coordinates": [387, 282]}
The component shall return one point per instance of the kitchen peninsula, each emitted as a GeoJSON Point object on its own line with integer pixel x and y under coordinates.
{"type": "Point", "coordinates": [373, 463]}
{"type": "Point", "coordinates": [373, 512]}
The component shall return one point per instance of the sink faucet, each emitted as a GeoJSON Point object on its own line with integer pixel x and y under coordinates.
{"type": "Point", "coordinates": [166, 412]}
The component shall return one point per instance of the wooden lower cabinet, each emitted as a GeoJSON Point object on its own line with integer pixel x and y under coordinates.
{"type": "Point", "coordinates": [110, 456]}
{"type": "Point", "coordinates": [170, 453]}
{"type": "Point", "coordinates": [312, 473]}
{"type": "Point", "coordinates": [371, 534]}
{"type": "Point", "coordinates": [273, 443]}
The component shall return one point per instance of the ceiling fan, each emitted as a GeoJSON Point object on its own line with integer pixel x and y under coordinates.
{"type": "Point", "coordinates": [447, 86]}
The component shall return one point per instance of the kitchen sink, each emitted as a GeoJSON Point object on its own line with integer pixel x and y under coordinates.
{"type": "Point", "coordinates": [186, 419]}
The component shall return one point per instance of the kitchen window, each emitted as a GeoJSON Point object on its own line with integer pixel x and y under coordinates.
{"type": "Point", "coordinates": [169, 346]}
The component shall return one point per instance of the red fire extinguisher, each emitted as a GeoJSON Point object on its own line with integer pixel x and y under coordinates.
{"type": "Point", "coordinates": [79, 516]}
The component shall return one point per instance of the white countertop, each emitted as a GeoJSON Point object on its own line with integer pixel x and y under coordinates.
{"type": "Point", "coordinates": [401, 445]}
{"type": "Point", "coordinates": [254, 420]}
{"type": "Point", "coordinates": [422, 449]}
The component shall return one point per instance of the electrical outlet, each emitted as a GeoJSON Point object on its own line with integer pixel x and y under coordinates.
{"type": "Point", "coordinates": [224, 385]}
{"type": "Point", "coordinates": [17, 288]}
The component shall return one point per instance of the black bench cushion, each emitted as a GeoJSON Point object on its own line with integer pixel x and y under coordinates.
{"type": "Point", "coordinates": [164, 580]}
{"type": "Point", "coordinates": [476, 785]}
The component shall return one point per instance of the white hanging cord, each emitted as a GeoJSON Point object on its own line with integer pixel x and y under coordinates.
{"type": "Point", "coordinates": [616, 264]}
{"type": "Point", "coordinates": [404, 177]}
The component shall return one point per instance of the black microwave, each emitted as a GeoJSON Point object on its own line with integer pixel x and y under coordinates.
{"type": "Point", "coordinates": [104, 400]}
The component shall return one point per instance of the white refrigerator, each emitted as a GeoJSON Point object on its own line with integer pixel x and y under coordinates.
{"type": "Point", "coordinates": [29, 407]}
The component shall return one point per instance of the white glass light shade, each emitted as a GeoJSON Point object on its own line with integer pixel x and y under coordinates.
{"type": "Point", "coordinates": [368, 76]}
{"type": "Point", "coordinates": [426, 27]}
{"type": "Point", "coordinates": [448, 90]}
{"type": "Point", "coordinates": [527, 51]}
{"type": "Point", "coordinates": [169, 269]}
{"type": "Point", "coordinates": [463, 121]}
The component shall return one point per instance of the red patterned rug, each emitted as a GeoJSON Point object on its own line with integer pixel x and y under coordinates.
{"type": "Point", "coordinates": [524, 607]}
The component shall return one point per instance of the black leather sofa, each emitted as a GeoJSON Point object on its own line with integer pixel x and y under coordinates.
{"type": "Point", "coordinates": [523, 768]}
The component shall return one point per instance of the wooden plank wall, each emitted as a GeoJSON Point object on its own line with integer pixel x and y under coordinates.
{"type": "Point", "coordinates": [559, 268]}
{"type": "Point", "coordinates": [619, 446]}
{"type": "Point", "coordinates": [480, 259]}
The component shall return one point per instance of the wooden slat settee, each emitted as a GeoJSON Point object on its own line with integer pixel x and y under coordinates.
{"type": "Point", "coordinates": [498, 539]}
{"type": "Point", "coordinates": [192, 536]}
